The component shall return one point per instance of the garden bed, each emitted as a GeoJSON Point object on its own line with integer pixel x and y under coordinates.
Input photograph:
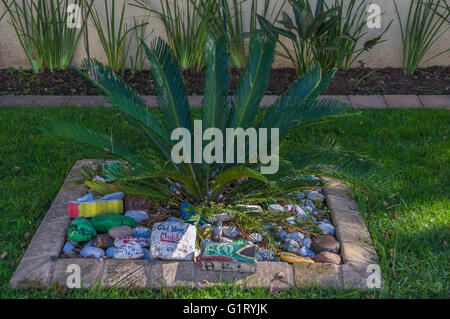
{"type": "Point", "coordinates": [42, 265]}
{"type": "Point", "coordinates": [358, 81]}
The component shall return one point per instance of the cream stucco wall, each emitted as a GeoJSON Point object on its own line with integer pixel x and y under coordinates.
{"type": "Point", "coordinates": [386, 54]}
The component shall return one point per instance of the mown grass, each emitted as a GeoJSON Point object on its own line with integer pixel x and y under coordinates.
{"type": "Point", "coordinates": [409, 226]}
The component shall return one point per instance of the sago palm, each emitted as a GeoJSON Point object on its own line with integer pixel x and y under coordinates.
{"type": "Point", "coordinates": [151, 171]}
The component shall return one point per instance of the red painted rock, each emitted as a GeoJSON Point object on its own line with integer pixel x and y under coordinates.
{"type": "Point", "coordinates": [325, 243]}
{"type": "Point", "coordinates": [327, 257]}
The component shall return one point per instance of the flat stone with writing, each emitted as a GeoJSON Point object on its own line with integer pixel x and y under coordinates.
{"type": "Point", "coordinates": [173, 241]}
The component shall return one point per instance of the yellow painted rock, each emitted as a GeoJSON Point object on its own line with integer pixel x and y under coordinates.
{"type": "Point", "coordinates": [292, 258]}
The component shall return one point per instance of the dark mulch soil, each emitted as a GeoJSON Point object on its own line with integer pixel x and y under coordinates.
{"type": "Point", "coordinates": [429, 81]}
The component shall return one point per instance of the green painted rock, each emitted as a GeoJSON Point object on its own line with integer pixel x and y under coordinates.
{"type": "Point", "coordinates": [105, 222]}
{"type": "Point", "coordinates": [81, 229]}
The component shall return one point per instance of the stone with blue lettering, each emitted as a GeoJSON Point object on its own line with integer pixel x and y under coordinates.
{"type": "Point", "coordinates": [173, 241]}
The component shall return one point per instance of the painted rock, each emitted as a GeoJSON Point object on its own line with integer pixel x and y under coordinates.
{"type": "Point", "coordinates": [103, 241]}
{"type": "Point", "coordinates": [325, 243]}
{"type": "Point", "coordinates": [189, 215]}
{"type": "Point", "coordinates": [306, 252]}
{"type": "Point", "coordinates": [80, 230]}
{"type": "Point", "coordinates": [300, 195]}
{"type": "Point", "coordinates": [314, 195]}
{"type": "Point", "coordinates": [237, 256]}
{"type": "Point", "coordinates": [275, 208]}
{"type": "Point", "coordinates": [292, 245]}
{"type": "Point", "coordinates": [326, 228]}
{"type": "Point", "coordinates": [287, 208]}
{"type": "Point", "coordinates": [230, 231]}
{"type": "Point", "coordinates": [266, 256]}
{"type": "Point", "coordinates": [120, 231]}
{"type": "Point", "coordinates": [131, 250]}
{"type": "Point", "coordinates": [105, 222]}
{"type": "Point", "coordinates": [110, 252]}
{"type": "Point", "coordinates": [142, 232]}
{"type": "Point", "coordinates": [249, 208]}
{"type": "Point", "coordinates": [90, 251]}
{"type": "Point", "coordinates": [137, 215]}
{"type": "Point", "coordinates": [121, 241]}
{"type": "Point", "coordinates": [327, 257]}
{"type": "Point", "coordinates": [299, 211]}
{"type": "Point", "coordinates": [172, 241]}
{"type": "Point", "coordinates": [68, 246]}
{"type": "Point", "coordinates": [88, 206]}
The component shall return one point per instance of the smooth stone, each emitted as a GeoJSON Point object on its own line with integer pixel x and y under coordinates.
{"type": "Point", "coordinates": [121, 241]}
{"type": "Point", "coordinates": [142, 232]}
{"type": "Point", "coordinates": [297, 236]}
{"type": "Point", "coordinates": [88, 244]}
{"type": "Point", "coordinates": [327, 257]}
{"type": "Point", "coordinates": [282, 233]}
{"type": "Point", "coordinates": [173, 220]}
{"type": "Point", "coordinates": [326, 228]}
{"type": "Point", "coordinates": [304, 251]}
{"type": "Point", "coordinates": [292, 245]}
{"type": "Point", "coordinates": [314, 195]}
{"type": "Point", "coordinates": [173, 241]}
{"type": "Point", "coordinates": [275, 208]}
{"type": "Point", "coordinates": [256, 238]}
{"type": "Point", "coordinates": [110, 252]}
{"type": "Point", "coordinates": [131, 250]}
{"type": "Point", "coordinates": [80, 230]}
{"type": "Point", "coordinates": [308, 204]}
{"type": "Point", "coordinates": [68, 246]}
{"type": "Point", "coordinates": [217, 229]}
{"type": "Point", "coordinates": [92, 251]}
{"type": "Point", "coordinates": [306, 242]}
{"type": "Point", "coordinates": [114, 196]}
{"type": "Point", "coordinates": [137, 215]}
{"type": "Point", "coordinates": [230, 231]}
{"type": "Point", "coordinates": [224, 217]}
{"type": "Point", "coordinates": [103, 241]}
{"type": "Point", "coordinates": [325, 243]}
{"type": "Point", "coordinates": [120, 231]}
{"type": "Point", "coordinates": [249, 208]}
{"type": "Point", "coordinates": [105, 222]}
{"type": "Point", "coordinates": [86, 198]}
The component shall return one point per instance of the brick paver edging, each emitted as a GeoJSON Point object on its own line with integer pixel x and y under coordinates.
{"type": "Point", "coordinates": [41, 266]}
{"type": "Point", "coordinates": [356, 101]}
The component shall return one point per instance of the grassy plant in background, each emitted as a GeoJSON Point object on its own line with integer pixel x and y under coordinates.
{"type": "Point", "coordinates": [328, 34]}
{"type": "Point", "coordinates": [186, 23]}
{"type": "Point", "coordinates": [139, 33]}
{"type": "Point", "coordinates": [237, 25]}
{"type": "Point", "coordinates": [427, 22]}
{"type": "Point", "coordinates": [43, 33]}
{"type": "Point", "coordinates": [115, 37]}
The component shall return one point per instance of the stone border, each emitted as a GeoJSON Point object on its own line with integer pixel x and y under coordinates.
{"type": "Point", "coordinates": [41, 267]}
{"type": "Point", "coordinates": [356, 101]}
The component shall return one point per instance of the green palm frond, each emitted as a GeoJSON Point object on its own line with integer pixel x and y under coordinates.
{"type": "Point", "coordinates": [329, 159]}
{"type": "Point", "coordinates": [234, 173]}
{"type": "Point", "coordinates": [78, 133]}
{"type": "Point", "coordinates": [172, 96]}
{"type": "Point", "coordinates": [215, 101]}
{"type": "Point", "coordinates": [253, 82]}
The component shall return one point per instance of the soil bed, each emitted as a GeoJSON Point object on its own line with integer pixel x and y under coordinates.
{"type": "Point", "coordinates": [358, 81]}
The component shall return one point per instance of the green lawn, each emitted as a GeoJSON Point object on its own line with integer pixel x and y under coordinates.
{"type": "Point", "coordinates": [410, 228]}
